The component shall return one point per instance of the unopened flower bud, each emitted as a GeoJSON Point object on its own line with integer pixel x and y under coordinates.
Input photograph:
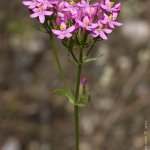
{"type": "Point", "coordinates": [84, 81]}
{"type": "Point", "coordinates": [58, 21]}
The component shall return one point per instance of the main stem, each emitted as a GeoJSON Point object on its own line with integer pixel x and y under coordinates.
{"type": "Point", "coordinates": [76, 116]}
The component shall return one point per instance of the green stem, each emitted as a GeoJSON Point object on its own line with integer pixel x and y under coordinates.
{"type": "Point", "coordinates": [76, 116]}
{"type": "Point", "coordinates": [58, 63]}
{"type": "Point", "coordinates": [74, 57]}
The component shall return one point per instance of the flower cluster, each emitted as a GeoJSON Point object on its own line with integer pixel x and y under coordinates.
{"type": "Point", "coordinates": [78, 21]}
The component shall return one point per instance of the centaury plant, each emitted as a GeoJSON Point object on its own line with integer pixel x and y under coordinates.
{"type": "Point", "coordinates": [79, 25]}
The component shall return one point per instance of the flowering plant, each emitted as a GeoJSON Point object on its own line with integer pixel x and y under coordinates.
{"type": "Point", "coordinates": [79, 25]}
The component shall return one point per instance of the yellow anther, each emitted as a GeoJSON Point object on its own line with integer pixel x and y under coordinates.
{"type": "Point", "coordinates": [91, 11]}
{"type": "Point", "coordinates": [110, 17]}
{"type": "Point", "coordinates": [40, 7]}
{"type": "Point", "coordinates": [101, 25]}
{"type": "Point", "coordinates": [112, 3]}
{"type": "Point", "coordinates": [62, 27]}
{"type": "Point", "coordinates": [72, 3]}
{"type": "Point", "coordinates": [99, 30]}
{"type": "Point", "coordinates": [86, 22]}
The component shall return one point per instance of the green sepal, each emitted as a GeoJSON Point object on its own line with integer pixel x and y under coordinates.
{"type": "Point", "coordinates": [83, 101]}
{"type": "Point", "coordinates": [66, 93]}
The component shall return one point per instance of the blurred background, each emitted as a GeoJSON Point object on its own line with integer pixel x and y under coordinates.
{"type": "Point", "coordinates": [31, 118]}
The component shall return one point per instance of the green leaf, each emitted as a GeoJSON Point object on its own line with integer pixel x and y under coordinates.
{"type": "Point", "coordinates": [92, 59]}
{"type": "Point", "coordinates": [66, 93]}
{"type": "Point", "coordinates": [80, 104]}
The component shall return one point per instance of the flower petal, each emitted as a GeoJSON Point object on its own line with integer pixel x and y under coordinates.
{"type": "Point", "coordinates": [48, 13]}
{"type": "Point", "coordinates": [34, 15]}
{"type": "Point", "coordinates": [94, 35]}
{"type": "Point", "coordinates": [103, 6]}
{"type": "Point", "coordinates": [117, 6]}
{"type": "Point", "coordinates": [40, 1]}
{"type": "Point", "coordinates": [103, 36]}
{"type": "Point", "coordinates": [94, 25]}
{"type": "Point", "coordinates": [104, 21]}
{"type": "Point", "coordinates": [68, 35]}
{"type": "Point", "coordinates": [42, 18]}
{"type": "Point", "coordinates": [107, 31]}
{"type": "Point", "coordinates": [107, 2]}
{"type": "Point", "coordinates": [80, 23]}
{"type": "Point", "coordinates": [67, 4]}
{"type": "Point", "coordinates": [61, 36]}
{"type": "Point", "coordinates": [72, 28]}
{"type": "Point", "coordinates": [117, 23]}
{"type": "Point", "coordinates": [60, 14]}
{"type": "Point", "coordinates": [27, 3]}
{"type": "Point", "coordinates": [111, 25]}
{"type": "Point", "coordinates": [57, 32]}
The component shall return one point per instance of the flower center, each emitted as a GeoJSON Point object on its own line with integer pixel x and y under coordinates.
{"type": "Point", "coordinates": [40, 9]}
{"type": "Point", "coordinates": [112, 4]}
{"type": "Point", "coordinates": [110, 17]}
{"type": "Point", "coordinates": [99, 29]}
{"type": "Point", "coordinates": [72, 3]}
{"type": "Point", "coordinates": [101, 25]}
{"type": "Point", "coordinates": [62, 27]}
{"type": "Point", "coordinates": [87, 22]}
{"type": "Point", "coordinates": [64, 32]}
{"type": "Point", "coordinates": [91, 11]}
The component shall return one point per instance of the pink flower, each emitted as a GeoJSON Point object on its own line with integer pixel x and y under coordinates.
{"type": "Point", "coordinates": [101, 32]}
{"type": "Point", "coordinates": [91, 10]}
{"type": "Point", "coordinates": [46, 3]}
{"type": "Point", "coordinates": [64, 32]}
{"type": "Point", "coordinates": [72, 8]}
{"type": "Point", "coordinates": [67, 17]}
{"type": "Point", "coordinates": [80, 17]}
{"type": "Point", "coordinates": [31, 4]}
{"type": "Point", "coordinates": [62, 5]}
{"type": "Point", "coordinates": [53, 1]}
{"type": "Point", "coordinates": [110, 20]}
{"type": "Point", "coordinates": [58, 21]}
{"type": "Point", "coordinates": [83, 4]}
{"type": "Point", "coordinates": [86, 23]}
{"type": "Point", "coordinates": [110, 7]}
{"type": "Point", "coordinates": [41, 13]}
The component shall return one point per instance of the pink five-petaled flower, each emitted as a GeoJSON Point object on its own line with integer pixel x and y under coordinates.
{"type": "Point", "coordinates": [91, 10]}
{"type": "Point", "coordinates": [83, 4]}
{"type": "Point", "coordinates": [41, 13]}
{"type": "Point", "coordinates": [110, 7]}
{"type": "Point", "coordinates": [110, 20]}
{"type": "Point", "coordinates": [85, 24]}
{"type": "Point", "coordinates": [64, 32]}
{"type": "Point", "coordinates": [102, 32]}
{"type": "Point", "coordinates": [31, 4]}
{"type": "Point", "coordinates": [72, 8]}
{"type": "Point", "coordinates": [62, 5]}
{"type": "Point", "coordinates": [46, 3]}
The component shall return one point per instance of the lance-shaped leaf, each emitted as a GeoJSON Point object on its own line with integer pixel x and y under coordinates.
{"type": "Point", "coordinates": [66, 93]}
{"type": "Point", "coordinates": [86, 60]}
